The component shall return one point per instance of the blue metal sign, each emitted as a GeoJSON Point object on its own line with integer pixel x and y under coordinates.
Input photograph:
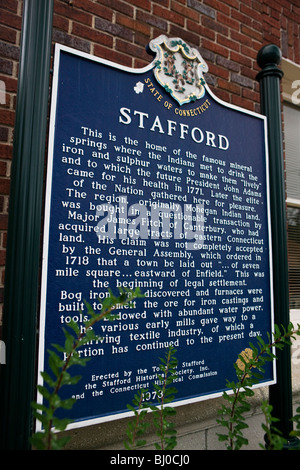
{"type": "Point", "coordinates": [153, 182]}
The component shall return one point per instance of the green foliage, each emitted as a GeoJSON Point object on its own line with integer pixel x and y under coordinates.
{"type": "Point", "coordinates": [136, 429]}
{"type": "Point", "coordinates": [296, 432]}
{"type": "Point", "coordinates": [273, 438]}
{"type": "Point", "coordinates": [165, 394]}
{"type": "Point", "coordinates": [161, 413]}
{"type": "Point", "coordinates": [249, 370]}
{"type": "Point", "coordinates": [47, 439]}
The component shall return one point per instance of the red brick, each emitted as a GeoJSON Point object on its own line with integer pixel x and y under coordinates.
{"type": "Point", "coordinates": [187, 13]}
{"type": "Point", "coordinates": [240, 59]}
{"type": "Point", "coordinates": [143, 4]}
{"type": "Point", "coordinates": [7, 117]}
{"type": "Point", "coordinates": [91, 34]}
{"type": "Point", "coordinates": [242, 80]}
{"type": "Point", "coordinates": [11, 84]}
{"type": "Point", "coordinates": [60, 22]}
{"type": "Point", "coordinates": [222, 94]}
{"type": "Point", "coordinates": [117, 57]}
{"type": "Point", "coordinates": [212, 46]}
{"type": "Point", "coordinates": [228, 64]}
{"type": "Point", "coordinates": [3, 220]}
{"type": "Point", "coordinates": [251, 33]}
{"type": "Point", "coordinates": [251, 94]}
{"type": "Point", "coordinates": [219, 5]}
{"type": "Point", "coordinates": [9, 50]}
{"type": "Point", "coordinates": [235, 4]}
{"type": "Point", "coordinates": [228, 21]}
{"type": "Point", "coordinates": [249, 52]}
{"type": "Point", "coordinates": [8, 34]}
{"type": "Point", "coordinates": [219, 72]}
{"type": "Point", "coordinates": [251, 12]}
{"type": "Point", "coordinates": [119, 5]}
{"type": "Point", "coordinates": [241, 17]}
{"type": "Point", "coordinates": [114, 29]}
{"type": "Point", "coordinates": [94, 8]}
{"type": "Point", "coordinates": [242, 39]}
{"type": "Point", "coordinates": [10, 19]}
{"type": "Point", "coordinates": [224, 41]}
{"type": "Point", "coordinates": [214, 26]}
{"type": "Point", "coordinates": [249, 72]}
{"type": "Point", "coordinates": [226, 85]}
{"type": "Point", "coordinates": [4, 235]}
{"type": "Point", "coordinates": [151, 20]}
{"type": "Point", "coordinates": [2, 259]}
{"type": "Point", "coordinates": [72, 41]}
{"type": "Point", "coordinates": [4, 185]}
{"type": "Point", "coordinates": [271, 21]}
{"type": "Point", "coordinates": [190, 37]}
{"type": "Point", "coordinates": [69, 11]}
{"type": "Point", "coordinates": [166, 3]}
{"type": "Point", "coordinates": [168, 15]}
{"type": "Point", "coordinates": [3, 133]}
{"type": "Point", "coordinates": [5, 151]}
{"type": "Point", "coordinates": [130, 23]}
{"type": "Point", "coordinates": [201, 8]}
{"type": "Point", "coordinates": [242, 102]}
{"type": "Point", "coordinates": [200, 30]}
{"type": "Point", "coordinates": [139, 63]}
{"type": "Point", "coordinates": [141, 39]}
{"type": "Point", "coordinates": [11, 5]}
{"type": "Point", "coordinates": [130, 49]}
{"type": "Point", "coordinates": [3, 168]}
{"type": "Point", "coordinates": [6, 67]}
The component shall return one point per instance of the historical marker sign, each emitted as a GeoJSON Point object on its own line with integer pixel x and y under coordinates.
{"type": "Point", "coordinates": [155, 183]}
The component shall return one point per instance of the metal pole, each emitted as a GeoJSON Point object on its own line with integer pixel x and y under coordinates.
{"type": "Point", "coordinates": [280, 394]}
{"type": "Point", "coordinates": [24, 227]}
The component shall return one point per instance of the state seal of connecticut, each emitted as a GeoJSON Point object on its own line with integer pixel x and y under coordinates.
{"type": "Point", "coordinates": [179, 69]}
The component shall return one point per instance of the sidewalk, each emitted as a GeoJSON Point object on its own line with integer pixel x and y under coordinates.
{"type": "Point", "coordinates": [193, 438]}
{"type": "Point", "coordinates": [202, 434]}
{"type": "Point", "coordinates": [201, 431]}
{"type": "Point", "coordinates": [195, 424]}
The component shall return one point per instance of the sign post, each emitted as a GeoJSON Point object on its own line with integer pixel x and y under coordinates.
{"type": "Point", "coordinates": [23, 242]}
{"type": "Point", "coordinates": [153, 182]}
{"type": "Point", "coordinates": [269, 78]}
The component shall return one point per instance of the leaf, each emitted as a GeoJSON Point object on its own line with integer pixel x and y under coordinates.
{"type": "Point", "coordinates": [61, 424]}
{"type": "Point", "coordinates": [73, 340]}
{"type": "Point", "coordinates": [59, 443]}
{"type": "Point", "coordinates": [75, 327]}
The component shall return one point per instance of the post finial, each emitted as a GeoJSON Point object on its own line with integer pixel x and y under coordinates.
{"type": "Point", "coordinates": [269, 54]}
{"type": "Point", "coordinates": [268, 59]}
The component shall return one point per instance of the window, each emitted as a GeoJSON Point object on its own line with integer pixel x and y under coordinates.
{"type": "Point", "coordinates": [291, 115]}
{"type": "Point", "coordinates": [293, 217]}
{"type": "Point", "coordinates": [292, 152]}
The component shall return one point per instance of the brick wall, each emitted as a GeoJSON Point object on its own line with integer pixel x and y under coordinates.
{"type": "Point", "coordinates": [10, 27]}
{"type": "Point", "coordinates": [228, 34]}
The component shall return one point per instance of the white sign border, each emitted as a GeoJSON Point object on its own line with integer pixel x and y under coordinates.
{"type": "Point", "coordinates": [45, 253]}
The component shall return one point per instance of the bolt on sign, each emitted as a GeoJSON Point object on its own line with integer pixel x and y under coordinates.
{"type": "Point", "coordinates": [154, 182]}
